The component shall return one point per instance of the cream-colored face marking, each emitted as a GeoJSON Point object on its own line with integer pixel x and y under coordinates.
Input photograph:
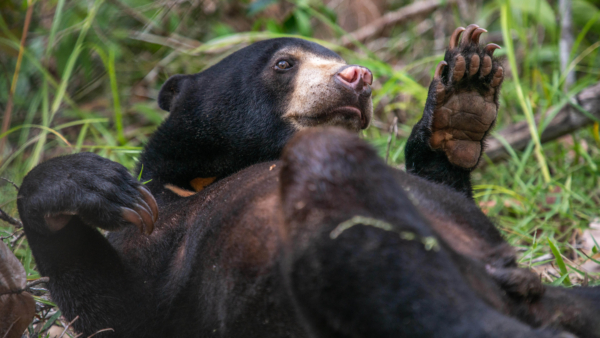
{"type": "Point", "coordinates": [317, 95]}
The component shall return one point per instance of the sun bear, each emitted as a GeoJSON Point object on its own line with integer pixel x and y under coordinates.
{"type": "Point", "coordinates": [326, 242]}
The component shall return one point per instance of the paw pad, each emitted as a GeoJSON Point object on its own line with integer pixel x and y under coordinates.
{"type": "Point", "coordinates": [465, 103]}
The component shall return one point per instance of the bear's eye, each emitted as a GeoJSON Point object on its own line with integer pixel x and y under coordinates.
{"type": "Point", "coordinates": [283, 65]}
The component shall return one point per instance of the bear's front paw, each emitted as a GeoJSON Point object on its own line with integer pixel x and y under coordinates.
{"type": "Point", "coordinates": [464, 97]}
{"type": "Point", "coordinates": [99, 191]}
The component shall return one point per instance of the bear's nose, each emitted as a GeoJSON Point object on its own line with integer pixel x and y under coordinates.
{"type": "Point", "coordinates": [357, 78]}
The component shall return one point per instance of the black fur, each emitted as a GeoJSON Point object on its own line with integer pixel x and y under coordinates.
{"type": "Point", "coordinates": [361, 283]}
{"type": "Point", "coordinates": [433, 164]}
{"type": "Point", "coordinates": [225, 118]}
{"type": "Point", "coordinates": [98, 277]}
{"type": "Point", "coordinates": [251, 255]}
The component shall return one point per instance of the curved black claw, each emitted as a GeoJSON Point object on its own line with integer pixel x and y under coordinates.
{"type": "Point", "coordinates": [99, 191]}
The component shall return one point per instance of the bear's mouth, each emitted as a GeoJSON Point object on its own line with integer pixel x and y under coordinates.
{"type": "Point", "coordinates": [346, 113]}
{"type": "Point", "coordinates": [349, 117]}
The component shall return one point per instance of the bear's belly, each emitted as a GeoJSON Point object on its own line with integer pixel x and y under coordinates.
{"type": "Point", "coordinates": [458, 221]}
{"type": "Point", "coordinates": [226, 269]}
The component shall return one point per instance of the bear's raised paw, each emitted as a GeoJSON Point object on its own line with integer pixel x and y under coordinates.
{"type": "Point", "coordinates": [465, 103]}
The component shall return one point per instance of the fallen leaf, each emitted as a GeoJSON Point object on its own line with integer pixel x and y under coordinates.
{"type": "Point", "coordinates": [587, 244]}
{"type": "Point", "coordinates": [17, 306]}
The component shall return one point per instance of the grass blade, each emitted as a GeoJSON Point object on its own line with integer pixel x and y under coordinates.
{"type": "Point", "coordinates": [504, 15]}
{"type": "Point", "coordinates": [560, 263]}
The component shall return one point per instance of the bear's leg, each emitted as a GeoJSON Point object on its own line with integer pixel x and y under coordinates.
{"type": "Point", "coordinates": [447, 143]}
{"type": "Point", "coordinates": [574, 309]}
{"type": "Point", "coordinates": [360, 261]}
{"type": "Point", "coordinates": [60, 201]}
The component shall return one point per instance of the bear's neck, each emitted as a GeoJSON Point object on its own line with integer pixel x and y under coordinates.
{"type": "Point", "coordinates": [176, 158]}
{"type": "Point", "coordinates": [184, 149]}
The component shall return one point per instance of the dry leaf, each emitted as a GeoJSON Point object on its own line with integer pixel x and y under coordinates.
{"type": "Point", "coordinates": [17, 307]}
{"type": "Point", "coordinates": [587, 244]}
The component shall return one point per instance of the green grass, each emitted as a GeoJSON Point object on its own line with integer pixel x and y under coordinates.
{"type": "Point", "coordinates": [91, 71]}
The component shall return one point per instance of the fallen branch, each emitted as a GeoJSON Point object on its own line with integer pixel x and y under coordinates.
{"type": "Point", "coordinates": [6, 217]}
{"type": "Point", "coordinates": [67, 326]}
{"type": "Point", "coordinates": [566, 121]}
{"type": "Point", "coordinates": [418, 8]}
{"type": "Point", "coordinates": [9, 219]}
{"type": "Point", "coordinates": [17, 237]}
{"type": "Point", "coordinates": [11, 182]}
{"type": "Point", "coordinates": [38, 281]}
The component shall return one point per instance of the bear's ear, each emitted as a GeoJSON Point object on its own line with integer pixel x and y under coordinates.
{"type": "Point", "coordinates": [170, 91]}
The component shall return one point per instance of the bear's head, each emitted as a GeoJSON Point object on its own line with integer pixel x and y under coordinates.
{"type": "Point", "coordinates": [245, 108]}
{"type": "Point", "coordinates": [296, 81]}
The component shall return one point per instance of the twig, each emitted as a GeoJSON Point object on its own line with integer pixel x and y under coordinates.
{"type": "Point", "coordinates": [100, 331]}
{"type": "Point", "coordinates": [16, 239]}
{"type": "Point", "coordinates": [419, 8]}
{"type": "Point", "coordinates": [67, 326]}
{"type": "Point", "coordinates": [11, 93]}
{"type": "Point", "coordinates": [37, 281]}
{"type": "Point", "coordinates": [567, 120]}
{"type": "Point", "coordinates": [16, 236]}
{"type": "Point", "coordinates": [11, 182]}
{"type": "Point", "coordinates": [9, 236]}
{"type": "Point", "coordinates": [9, 219]}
